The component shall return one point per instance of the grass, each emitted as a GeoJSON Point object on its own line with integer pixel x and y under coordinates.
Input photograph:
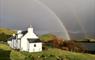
{"type": "Point", "coordinates": [57, 53]}
{"type": "Point", "coordinates": [16, 55]}
{"type": "Point", "coordinates": [4, 52]}
{"type": "Point", "coordinates": [4, 47]}
{"type": "Point", "coordinates": [4, 55]}
{"type": "Point", "coordinates": [51, 54]}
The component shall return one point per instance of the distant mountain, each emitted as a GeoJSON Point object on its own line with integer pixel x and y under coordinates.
{"type": "Point", "coordinates": [7, 31]}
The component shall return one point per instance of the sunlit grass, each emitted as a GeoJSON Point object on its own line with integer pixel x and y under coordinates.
{"type": "Point", "coordinates": [4, 47]}
{"type": "Point", "coordinates": [54, 53]}
{"type": "Point", "coordinates": [16, 55]}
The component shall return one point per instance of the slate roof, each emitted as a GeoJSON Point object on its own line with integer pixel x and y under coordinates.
{"type": "Point", "coordinates": [33, 40]}
{"type": "Point", "coordinates": [12, 38]}
{"type": "Point", "coordinates": [29, 39]}
{"type": "Point", "coordinates": [24, 32]}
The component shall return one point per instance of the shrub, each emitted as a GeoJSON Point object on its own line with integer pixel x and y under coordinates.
{"type": "Point", "coordinates": [58, 42]}
{"type": "Point", "coordinates": [72, 46]}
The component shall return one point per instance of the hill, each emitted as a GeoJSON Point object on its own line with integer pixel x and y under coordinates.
{"type": "Point", "coordinates": [50, 54]}
{"type": "Point", "coordinates": [5, 34]}
{"type": "Point", "coordinates": [47, 37]}
{"type": "Point", "coordinates": [7, 31]}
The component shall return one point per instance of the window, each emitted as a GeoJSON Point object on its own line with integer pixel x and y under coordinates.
{"type": "Point", "coordinates": [34, 45]}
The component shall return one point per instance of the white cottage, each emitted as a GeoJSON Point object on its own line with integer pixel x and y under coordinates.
{"type": "Point", "coordinates": [26, 41]}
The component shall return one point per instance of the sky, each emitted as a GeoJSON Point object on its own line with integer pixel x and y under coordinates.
{"type": "Point", "coordinates": [74, 13]}
{"type": "Point", "coordinates": [75, 16]}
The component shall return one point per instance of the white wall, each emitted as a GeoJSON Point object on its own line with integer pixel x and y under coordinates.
{"type": "Point", "coordinates": [14, 43]}
{"type": "Point", "coordinates": [24, 44]}
{"type": "Point", "coordinates": [38, 47]}
{"type": "Point", "coordinates": [18, 44]}
{"type": "Point", "coordinates": [19, 41]}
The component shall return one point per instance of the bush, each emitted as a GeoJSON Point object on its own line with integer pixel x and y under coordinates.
{"type": "Point", "coordinates": [51, 40]}
{"type": "Point", "coordinates": [58, 42]}
{"type": "Point", "coordinates": [72, 46]}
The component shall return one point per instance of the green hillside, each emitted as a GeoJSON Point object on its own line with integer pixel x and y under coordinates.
{"type": "Point", "coordinates": [47, 37]}
{"type": "Point", "coordinates": [7, 31]}
{"type": "Point", "coordinates": [5, 34]}
{"type": "Point", "coordinates": [51, 54]}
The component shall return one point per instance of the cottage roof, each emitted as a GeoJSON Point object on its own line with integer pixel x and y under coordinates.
{"type": "Point", "coordinates": [31, 40]}
{"type": "Point", "coordinates": [24, 32]}
{"type": "Point", "coordinates": [12, 38]}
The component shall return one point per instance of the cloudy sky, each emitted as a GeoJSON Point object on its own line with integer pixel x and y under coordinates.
{"type": "Point", "coordinates": [77, 16]}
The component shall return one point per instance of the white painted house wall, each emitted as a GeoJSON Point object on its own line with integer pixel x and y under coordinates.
{"type": "Point", "coordinates": [19, 40]}
{"type": "Point", "coordinates": [14, 43]}
{"type": "Point", "coordinates": [24, 44]}
{"type": "Point", "coordinates": [37, 48]}
{"type": "Point", "coordinates": [18, 44]}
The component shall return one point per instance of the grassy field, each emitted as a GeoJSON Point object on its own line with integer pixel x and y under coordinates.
{"type": "Point", "coordinates": [51, 54]}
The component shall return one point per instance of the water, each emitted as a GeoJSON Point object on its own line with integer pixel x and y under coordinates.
{"type": "Point", "coordinates": [88, 46]}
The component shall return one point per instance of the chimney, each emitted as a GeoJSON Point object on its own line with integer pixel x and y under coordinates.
{"type": "Point", "coordinates": [30, 29]}
{"type": "Point", "coordinates": [19, 32]}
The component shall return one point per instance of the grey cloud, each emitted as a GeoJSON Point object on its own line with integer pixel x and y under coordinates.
{"type": "Point", "coordinates": [76, 15]}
